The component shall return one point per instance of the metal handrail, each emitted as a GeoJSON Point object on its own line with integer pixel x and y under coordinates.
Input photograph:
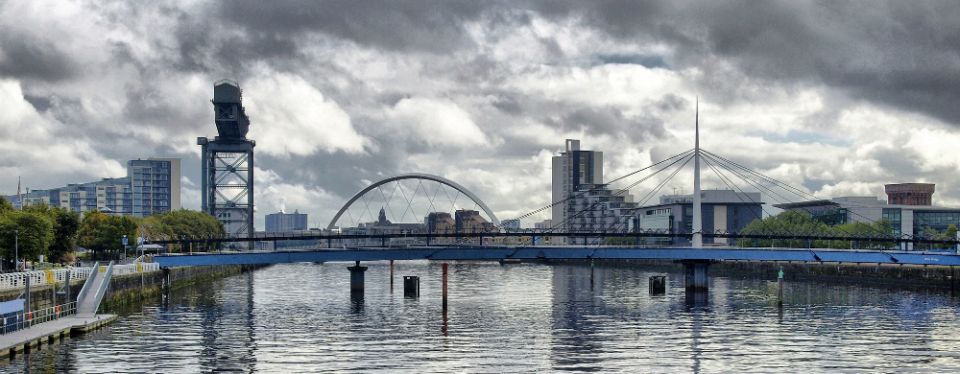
{"type": "Point", "coordinates": [24, 319]}
{"type": "Point", "coordinates": [10, 281]}
{"type": "Point", "coordinates": [90, 278]}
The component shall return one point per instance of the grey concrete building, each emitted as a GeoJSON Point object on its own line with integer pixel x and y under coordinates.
{"type": "Point", "coordinates": [723, 211]}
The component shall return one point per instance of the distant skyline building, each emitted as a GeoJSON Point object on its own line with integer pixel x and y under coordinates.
{"type": "Point", "coordinates": [910, 193]}
{"type": "Point", "coordinates": [440, 222]}
{"type": "Point", "coordinates": [543, 225]}
{"type": "Point", "coordinates": [510, 224]}
{"type": "Point", "coordinates": [285, 222]}
{"type": "Point", "coordinates": [572, 168]}
{"type": "Point", "coordinates": [470, 221]}
{"type": "Point", "coordinates": [151, 186]}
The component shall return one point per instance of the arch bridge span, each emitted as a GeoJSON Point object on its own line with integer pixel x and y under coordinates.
{"type": "Point", "coordinates": [436, 178]}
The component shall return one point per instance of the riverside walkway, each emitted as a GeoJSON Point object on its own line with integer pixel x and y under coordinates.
{"type": "Point", "coordinates": [50, 331]}
{"type": "Point", "coordinates": [23, 328]}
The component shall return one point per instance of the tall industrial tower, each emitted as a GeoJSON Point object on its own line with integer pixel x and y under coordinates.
{"type": "Point", "coordinates": [227, 163]}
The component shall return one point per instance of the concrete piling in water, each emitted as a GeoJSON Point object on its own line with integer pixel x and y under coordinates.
{"type": "Point", "coordinates": [445, 272]}
{"type": "Point", "coordinates": [780, 288]}
{"type": "Point", "coordinates": [391, 276]}
{"type": "Point", "coordinates": [411, 286]}
{"type": "Point", "coordinates": [696, 282]}
{"type": "Point", "coordinates": [658, 285]}
{"type": "Point", "coordinates": [165, 282]}
{"type": "Point", "coordinates": [356, 277]}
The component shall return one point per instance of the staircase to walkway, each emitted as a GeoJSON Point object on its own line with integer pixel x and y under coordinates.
{"type": "Point", "coordinates": [88, 300]}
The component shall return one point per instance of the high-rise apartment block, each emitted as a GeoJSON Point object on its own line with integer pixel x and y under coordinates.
{"type": "Point", "coordinates": [151, 186]}
{"type": "Point", "coordinates": [572, 168]}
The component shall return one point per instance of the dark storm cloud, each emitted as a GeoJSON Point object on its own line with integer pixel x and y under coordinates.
{"type": "Point", "coordinates": [905, 55]}
{"type": "Point", "coordinates": [901, 54]}
{"type": "Point", "coordinates": [29, 56]}
{"type": "Point", "coordinates": [431, 26]}
{"type": "Point", "coordinates": [610, 120]}
{"type": "Point", "coordinates": [340, 173]}
{"type": "Point", "coordinates": [649, 61]}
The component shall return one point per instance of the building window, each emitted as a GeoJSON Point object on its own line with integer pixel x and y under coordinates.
{"type": "Point", "coordinates": [894, 217]}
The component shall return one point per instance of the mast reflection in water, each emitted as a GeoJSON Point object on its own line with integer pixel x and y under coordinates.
{"type": "Point", "coordinates": [515, 318]}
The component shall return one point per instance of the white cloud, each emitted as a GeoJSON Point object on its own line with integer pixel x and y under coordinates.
{"type": "Point", "coordinates": [436, 122]}
{"type": "Point", "coordinates": [29, 144]}
{"type": "Point", "coordinates": [291, 117]}
{"type": "Point", "coordinates": [274, 193]}
{"type": "Point", "coordinates": [142, 82]}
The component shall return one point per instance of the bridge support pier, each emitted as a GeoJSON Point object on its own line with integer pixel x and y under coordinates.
{"type": "Point", "coordinates": [356, 277]}
{"type": "Point", "coordinates": [696, 276]}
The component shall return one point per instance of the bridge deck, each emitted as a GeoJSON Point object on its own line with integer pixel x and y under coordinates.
{"type": "Point", "coordinates": [467, 253]}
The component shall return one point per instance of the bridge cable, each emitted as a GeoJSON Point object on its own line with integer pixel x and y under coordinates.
{"type": "Point", "coordinates": [652, 193]}
{"type": "Point", "coordinates": [753, 183]}
{"type": "Point", "coordinates": [627, 188]}
{"type": "Point", "coordinates": [591, 208]}
{"type": "Point", "coordinates": [618, 192]}
{"type": "Point", "coordinates": [883, 235]}
{"type": "Point", "coordinates": [785, 185]}
{"type": "Point", "coordinates": [729, 182]}
{"type": "Point", "coordinates": [600, 186]}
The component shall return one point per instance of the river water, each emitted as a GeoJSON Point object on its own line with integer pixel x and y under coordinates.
{"type": "Point", "coordinates": [515, 318]}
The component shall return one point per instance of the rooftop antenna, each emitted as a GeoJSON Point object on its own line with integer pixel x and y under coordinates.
{"type": "Point", "coordinates": [697, 239]}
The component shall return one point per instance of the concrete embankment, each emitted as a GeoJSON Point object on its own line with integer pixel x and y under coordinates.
{"type": "Point", "coordinates": [910, 276]}
{"type": "Point", "coordinates": [940, 277]}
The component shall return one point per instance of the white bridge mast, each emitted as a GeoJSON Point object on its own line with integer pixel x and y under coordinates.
{"type": "Point", "coordinates": [697, 239]}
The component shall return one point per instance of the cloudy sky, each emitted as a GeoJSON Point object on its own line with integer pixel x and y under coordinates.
{"type": "Point", "coordinates": [837, 97]}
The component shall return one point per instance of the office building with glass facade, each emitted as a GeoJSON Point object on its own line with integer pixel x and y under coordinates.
{"type": "Point", "coordinates": [919, 218]}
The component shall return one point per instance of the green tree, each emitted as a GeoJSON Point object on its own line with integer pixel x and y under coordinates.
{"type": "Point", "coordinates": [27, 233]}
{"type": "Point", "coordinates": [951, 233]}
{"type": "Point", "coordinates": [103, 234]}
{"type": "Point", "coordinates": [65, 227]}
{"type": "Point", "coordinates": [5, 205]}
{"type": "Point", "coordinates": [183, 223]}
{"type": "Point", "coordinates": [153, 228]}
{"type": "Point", "coordinates": [786, 223]}
{"type": "Point", "coordinates": [797, 223]}
{"type": "Point", "coordinates": [880, 230]}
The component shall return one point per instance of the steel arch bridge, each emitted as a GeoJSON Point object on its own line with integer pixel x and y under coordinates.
{"type": "Point", "coordinates": [421, 176]}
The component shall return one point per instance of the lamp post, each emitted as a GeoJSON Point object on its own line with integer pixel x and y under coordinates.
{"type": "Point", "coordinates": [16, 249]}
{"type": "Point", "coordinates": [125, 242]}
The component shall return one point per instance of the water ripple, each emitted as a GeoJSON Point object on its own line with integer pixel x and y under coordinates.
{"type": "Point", "coordinates": [515, 318]}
